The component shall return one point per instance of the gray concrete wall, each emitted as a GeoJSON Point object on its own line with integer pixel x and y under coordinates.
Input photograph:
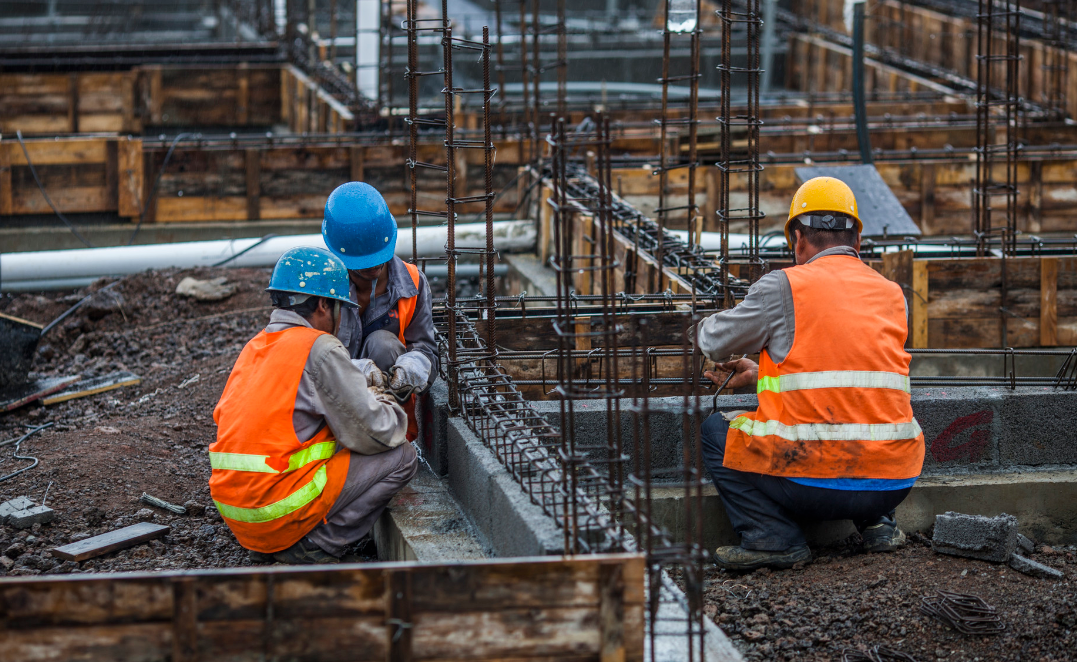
{"type": "Point", "coordinates": [966, 429]}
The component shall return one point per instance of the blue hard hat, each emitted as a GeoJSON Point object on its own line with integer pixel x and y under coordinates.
{"type": "Point", "coordinates": [314, 272]}
{"type": "Point", "coordinates": [358, 227]}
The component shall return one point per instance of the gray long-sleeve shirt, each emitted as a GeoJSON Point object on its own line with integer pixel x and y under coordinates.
{"type": "Point", "coordinates": [333, 392]}
{"type": "Point", "coordinates": [764, 319]}
{"type": "Point", "coordinates": [418, 336]}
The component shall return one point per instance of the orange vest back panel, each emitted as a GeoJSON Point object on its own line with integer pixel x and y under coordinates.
{"type": "Point", "coordinates": [839, 406]}
{"type": "Point", "coordinates": [270, 488]}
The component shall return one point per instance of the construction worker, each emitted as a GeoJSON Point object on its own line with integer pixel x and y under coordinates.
{"type": "Point", "coordinates": [391, 332]}
{"type": "Point", "coordinates": [307, 456]}
{"type": "Point", "coordinates": [834, 436]}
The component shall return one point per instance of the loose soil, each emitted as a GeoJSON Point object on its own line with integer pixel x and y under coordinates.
{"type": "Point", "coordinates": [844, 599]}
{"type": "Point", "coordinates": [104, 451]}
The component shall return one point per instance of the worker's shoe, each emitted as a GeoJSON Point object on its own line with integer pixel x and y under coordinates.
{"type": "Point", "coordinates": [260, 558]}
{"type": "Point", "coordinates": [882, 536]}
{"type": "Point", "coordinates": [304, 552]}
{"type": "Point", "coordinates": [738, 558]}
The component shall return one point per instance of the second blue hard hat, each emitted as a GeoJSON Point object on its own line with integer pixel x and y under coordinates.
{"type": "Point", "coordinates": [358, 227]}
{"type": "Point", "coordinates": [311, 271]}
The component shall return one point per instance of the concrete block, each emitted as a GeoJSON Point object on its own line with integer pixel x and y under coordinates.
{"type": "Point", "coordinates": [12, 506]}
{"type": "Point", "coordinates": [960, 428]}
{"type": "Point", "coordinates": [1025, 545]}
{"type": "Point", "coordinates": [432, 411]}
{"type": "Point", "coordinates": [24, 519]}
{"type": "Point", "coordinates": [1036, 427]}
{"type": "Point", "coordinates": [1034, 569]}
{"type": "Point", "coordinates": [975, 536]}
{"type": "Point", "coordinates": [502, 514]}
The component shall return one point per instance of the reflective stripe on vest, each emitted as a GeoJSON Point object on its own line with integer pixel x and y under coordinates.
{"type": "Point", "coordinates": [827, 431]}
{"type": "Point", "coordinates": [257, 463]}
{"type": "Point", "coordinates": [285, 506]}
{"type": "Point", "coordinates": [834, 379]}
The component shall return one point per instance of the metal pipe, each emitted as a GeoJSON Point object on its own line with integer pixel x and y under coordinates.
{"type": "Point", "coordinates": [859, 106]}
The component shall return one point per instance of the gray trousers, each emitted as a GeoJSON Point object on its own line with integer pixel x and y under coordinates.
{"type": "Point", "coordinates": [383, 348]}
{"type": "Point", "coordinates": [373, 480]}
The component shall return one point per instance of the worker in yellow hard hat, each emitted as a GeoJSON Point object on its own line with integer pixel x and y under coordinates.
{"type": "Point", "coordinates": [834, 435]}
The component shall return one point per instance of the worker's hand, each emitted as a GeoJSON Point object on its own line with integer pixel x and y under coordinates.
{"type": "Point", "coordinates": [374, 376]}
{"type": "Point", "coordinates": [747, 373]}
{"type": "Point", "coordinates": [411, 371]}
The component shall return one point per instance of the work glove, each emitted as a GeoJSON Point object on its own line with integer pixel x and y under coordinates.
{"type": "Point", "coordinates": [375, 378]}
{"type": "Point", "coordinates": [410, 372]}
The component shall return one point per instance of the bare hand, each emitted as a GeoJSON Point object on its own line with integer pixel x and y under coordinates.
{"type": "Point", "coordinates": [747, 373]}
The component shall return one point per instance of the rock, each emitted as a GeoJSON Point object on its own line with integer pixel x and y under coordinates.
{"type": "Point", "coordinates": [24, 519]}
{"type": "Point", "coordinates": [194, 508]}
{"type": "Point", "coordinates": [1034, 569]}
{"type": "Point", "coordinates": [14, 505]}
{"type": "Point", "coordinates": [208, 531]}
{"type": "Point", "coordinates": [216, 289]}
{"type": "Point", "coordinates": [65, 568]}
{"type": "Point", "coordinates": [144, 515]}
{"type": "Point", "coordinates": [1025, 545]}
{"type": "Point", "coordinates": [106, 429]}
{"type": "Point", "coordinates": [975, 536]}
{"type": "Point", "coordinates": [79, 536]}
{"type": "Point", "coordinates": [14, 550]}
{"type": "Point", "coordinates": [6, 563]}
{"type": "Point", "coordinates": [103, 303]}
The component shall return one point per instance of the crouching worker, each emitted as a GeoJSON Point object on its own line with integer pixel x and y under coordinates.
{"type": "Point", "coordinates": [307, 457]}
{"type": "Point", "coordinates": [834, 437]}
{"type": "Point", "coordinates": [390, 333]}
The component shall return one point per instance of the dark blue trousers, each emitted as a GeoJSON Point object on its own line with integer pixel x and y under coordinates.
{"type": "Point", "coordinates": [761, 508]}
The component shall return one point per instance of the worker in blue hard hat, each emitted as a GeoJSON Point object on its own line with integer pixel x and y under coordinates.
{"type": "Point", "coordinates": [307, 456]}
{"type": "Point", "coordinates": [390, 333]}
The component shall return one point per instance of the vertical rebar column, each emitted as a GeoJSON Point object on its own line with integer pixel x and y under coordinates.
{"type": "Point", "coordinates": [536, 76]}
{"type": "Point", "coordinates": [500, 59]}
{"type": "Point", "coordinates": [488, 169]}
{"type": "Point", "coordinates": [562, 59]}
{"type": "Point", "coordinates": [997, 21]}
{"type": "Point", "coordinates": [682, 17]}
{"type": "Point", "coordinates": [1056, 36]}
{"type": "Point", "coordinates": [450, 202]}
{"type": "Point", "coordinates": [413, 120]}
{"type": "Point", "coordinates": [746, 127]}
{"type": "Point", "coordinates": [525, 79]}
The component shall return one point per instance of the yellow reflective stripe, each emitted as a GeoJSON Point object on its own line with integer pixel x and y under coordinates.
{"type": "Point", "coordinates": [312, 453]}
{"type": "Point", "coordinates": [240, 462]}
{"type": "Point", "coordinates": [257, 463]}
{"type": "Point", "coordinates": [800, 381]}
{"type": "Point", "coordinates": [828, 431]}
{"type": "Point", "coordinates": [285, 506]}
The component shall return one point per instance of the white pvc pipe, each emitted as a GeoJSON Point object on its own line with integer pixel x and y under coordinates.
{"type": "Point", "coordinates": [34, 270]}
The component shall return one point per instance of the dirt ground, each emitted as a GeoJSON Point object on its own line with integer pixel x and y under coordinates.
{"type": "Point", "coordinates": [104, 451]}
{"type": "Point", "coordinates": [845, 599]}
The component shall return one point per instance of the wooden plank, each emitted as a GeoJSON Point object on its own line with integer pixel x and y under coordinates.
{"type": "Point", "coordinates": [356, 160]}
{"type": "Point", "coordinates": [93, 386]}
{"type": "Point", "coordinates": [233, 208]}
{"type": "Point", "coordinates": [184, 620]}
{"type": "Point", "coordinates": [927, 197]}
{"type": "Point", "coordinates": [6, 194]}
{"type": "Point", "coordinates": [112, 174]}
{"type": "Point", "coordinates": [243, 94]}
{"type": "Point", "coordinates": [919, 299]}
{"type": "Point", "coordinates": [70, 151]}
{"type": "Point", "coordinates": [73, 102]}
{"type": "Point", "coordinates": [1049, 301]}
{"type": "Point", "coordinates": [130, 184]}
{"type": "Point", "coordinates": [110, 542]}
{"type": "Point", "coordinates": [14, 397]}
{"type": "Point", "coordinates": [254, 186]}
{"type": "Point", "coordinates": [399, 621]}
{"type": "Point", "coordinates": [611, 613]}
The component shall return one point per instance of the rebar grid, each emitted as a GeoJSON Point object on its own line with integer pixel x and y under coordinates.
{"type": "Point", "coordinates": [744, 164]}
{"type": "Point", "coordinates": [667, 162]}
{"type": "Point", "coordinates": [584, 229]}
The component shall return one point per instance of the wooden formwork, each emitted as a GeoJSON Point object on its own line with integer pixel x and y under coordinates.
{"type": "Point", "coordinates": [573, 608]}
{"type": "Point", "coordinates": [944, 41]}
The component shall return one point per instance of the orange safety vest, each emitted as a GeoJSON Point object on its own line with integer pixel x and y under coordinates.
{"type": "Point", "coordinates": [839, 405]}
{"type": "Point", "coordinates": [270, 488]}
{"type": "Point", "coordinates": [405, 308]}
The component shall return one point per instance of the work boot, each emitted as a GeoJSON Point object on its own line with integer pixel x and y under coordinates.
{"type": "Point", "coordinates": [304, 552]}
{"type": "Point", "coordinates": [882, 536]}
{"type": "Point", "coordinates": [260, 558]}
{"type": "Point", "coordinates": [738, 558]}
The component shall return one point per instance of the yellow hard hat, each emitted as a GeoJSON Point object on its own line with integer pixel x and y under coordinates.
{"type": "Point", "coordinates": [823, 194]}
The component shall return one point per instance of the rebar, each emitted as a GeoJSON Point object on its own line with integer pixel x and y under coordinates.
{"type": "Point", "coordinates": [745, 164]}
{"type": "Point", "coordinates": [678, 24]}
{"type": "Point", "coordinates": [1057, 15]}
